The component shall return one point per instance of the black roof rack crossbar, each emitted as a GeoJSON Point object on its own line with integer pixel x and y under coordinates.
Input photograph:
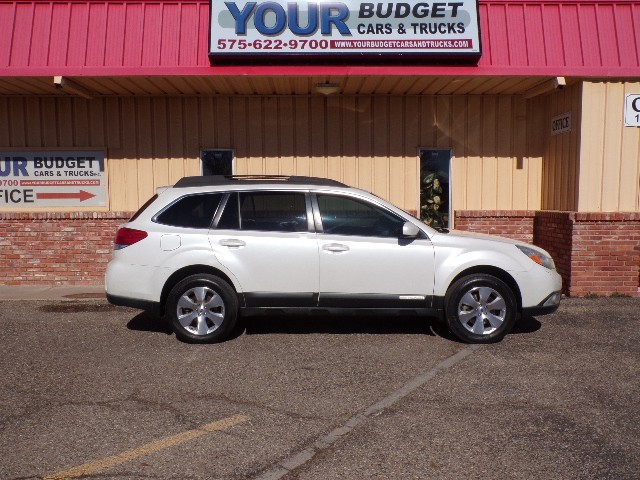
{"type": "Point", "coordinates": [214, 180]}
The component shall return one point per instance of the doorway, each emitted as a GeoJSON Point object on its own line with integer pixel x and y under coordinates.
{"type": "Point", "coordinates": [435, 188]}
{"type": "Point", "coordinates": [217, 162]}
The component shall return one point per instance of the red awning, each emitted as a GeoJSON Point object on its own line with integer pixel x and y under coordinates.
{"type": "Point", "coordinates": [588, 38]}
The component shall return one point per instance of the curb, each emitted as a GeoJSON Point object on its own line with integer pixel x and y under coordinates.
{"type": "Point", "coordinates": [58, 292]}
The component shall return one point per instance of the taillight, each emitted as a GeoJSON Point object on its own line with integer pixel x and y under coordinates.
{"type": "Point", "coordinates": [128, 236]}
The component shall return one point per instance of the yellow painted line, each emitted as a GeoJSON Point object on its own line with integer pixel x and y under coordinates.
{"type": "Point", "coordinates": [96, 466]}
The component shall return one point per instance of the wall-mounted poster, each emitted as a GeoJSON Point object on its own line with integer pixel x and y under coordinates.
{"type": "Point", "coordinates": [52, 179]}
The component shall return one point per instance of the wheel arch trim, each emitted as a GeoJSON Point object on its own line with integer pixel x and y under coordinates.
{"type": "Point", "coordinates": [495, 272]}
{"type": "Point", "coordinates": [190, 270]}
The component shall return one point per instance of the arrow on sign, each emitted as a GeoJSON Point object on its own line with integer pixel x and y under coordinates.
{"type": "Point", "coordinates": [81, 195]}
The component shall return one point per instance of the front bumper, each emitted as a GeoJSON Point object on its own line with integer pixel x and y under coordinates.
{"type": "Point", "coordinates": [547, 306]}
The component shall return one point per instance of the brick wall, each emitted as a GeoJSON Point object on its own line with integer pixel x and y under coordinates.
{"type": "Point", "coordinates": [596, 253]}
{"type": "Point", "coordinates": [516, 224]}
{"type": "Point", "coordinates": [57, 248]}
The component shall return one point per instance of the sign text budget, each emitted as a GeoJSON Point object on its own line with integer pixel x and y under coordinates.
{"type": "Point", "coordinates": [277, 28]}
{"type": "Point", "coordinates": [52, 179]}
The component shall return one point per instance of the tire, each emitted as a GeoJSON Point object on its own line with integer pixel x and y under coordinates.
{"type": "Point", "coordinates": [480, 309]}
{"type": "Point", "coordinates": [202, 309]}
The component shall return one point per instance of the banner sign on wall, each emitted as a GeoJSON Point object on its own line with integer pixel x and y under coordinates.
{"type": "Point", "coordinates": [272, 29]}
{"type": "Point", "coordinates": [52, 179]}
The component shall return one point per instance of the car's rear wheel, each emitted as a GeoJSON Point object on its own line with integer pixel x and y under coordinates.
{"type": "Point", "coordinates": [202, 309]}
{"type": "Point", "coordinates": [480, 308]}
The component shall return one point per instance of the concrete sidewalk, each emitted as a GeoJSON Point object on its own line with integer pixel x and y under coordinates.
{"type": "Point", "coordinates": [57, 292]}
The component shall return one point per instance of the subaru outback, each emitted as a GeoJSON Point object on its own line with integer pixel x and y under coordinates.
{"type": "Point", "coordinates": [210, 249]}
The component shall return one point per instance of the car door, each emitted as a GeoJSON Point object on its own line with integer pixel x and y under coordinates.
{"type": "Point", "coordinates": [266, 240]}
{"type": "Point", "coordinates": [365, 262]}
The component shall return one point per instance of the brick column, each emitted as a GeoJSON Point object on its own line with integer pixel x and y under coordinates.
{"type": "Point", "coordinates": [553, 231]}
{"type": "Point", "coordinates": [596, 253]}
{"type": "Point", "coordinates": [605, 254]}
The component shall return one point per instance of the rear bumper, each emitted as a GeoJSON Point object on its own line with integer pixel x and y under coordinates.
{"type": "Point", "coordinates": [132, 285]}
{"type": "Point", "coordinates": [134, 303]}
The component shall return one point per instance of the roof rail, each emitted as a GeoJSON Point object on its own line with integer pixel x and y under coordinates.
{"type": "Point", "coordinates": [215, 180]}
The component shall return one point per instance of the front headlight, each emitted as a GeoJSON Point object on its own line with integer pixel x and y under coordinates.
{"type": "Point", "coordinates": [538, 257]}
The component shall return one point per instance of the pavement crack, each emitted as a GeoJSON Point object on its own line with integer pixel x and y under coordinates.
{"type": "Point", "coordinates": [113, 405]}
{"type": "Point", "coordinates": [304, 455]}
{"type": "Point", "coordinates": [245, 403]}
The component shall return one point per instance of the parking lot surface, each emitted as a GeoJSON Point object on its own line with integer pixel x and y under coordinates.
{"type": "Point", "coordinates": [88, 390]}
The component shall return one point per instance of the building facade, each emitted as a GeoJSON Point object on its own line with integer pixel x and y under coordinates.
{"type": "Point", "coordinates": [529, 131]}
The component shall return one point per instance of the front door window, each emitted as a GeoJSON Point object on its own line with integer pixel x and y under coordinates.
{"type": "Point", "coordinates": [347, 216]}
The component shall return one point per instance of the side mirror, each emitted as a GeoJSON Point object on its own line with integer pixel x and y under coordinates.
{"type": "Point", "coordinates": [409, 230]}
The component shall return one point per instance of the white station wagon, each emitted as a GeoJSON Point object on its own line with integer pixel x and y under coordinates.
{"type": "Point", "coordinates": [211, 248]}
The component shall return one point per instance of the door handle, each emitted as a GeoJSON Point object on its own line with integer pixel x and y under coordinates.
{"type": "Point", "coordinates": [335, 247]}
{"type": "Point", "coordinates": [232, 243]}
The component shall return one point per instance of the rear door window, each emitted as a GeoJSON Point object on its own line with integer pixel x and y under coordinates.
{"type": "Point", "coordinates": [265, 212]}
{"type": "Point", "coordinates": [192, 211]}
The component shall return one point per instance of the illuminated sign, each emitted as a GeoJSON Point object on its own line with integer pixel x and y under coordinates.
{"type": "Point", "coordinates": [279, 29]}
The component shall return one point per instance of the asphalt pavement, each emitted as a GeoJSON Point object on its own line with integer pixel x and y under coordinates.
{"type": "Point", "coordinates": [90, 390]}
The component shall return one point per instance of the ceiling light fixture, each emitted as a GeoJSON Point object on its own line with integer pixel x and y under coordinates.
{"type": "Point", "coordinates": [72, 87]}
{"type": "Point", "coordinates": [546, 87]}
{"type": "Point", "coordinates": [327, 88]}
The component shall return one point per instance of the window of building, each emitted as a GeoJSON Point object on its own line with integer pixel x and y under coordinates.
{"type": "Point", "coordinates": [435, 191]}
{"type": "Point", "coordinates": [217, 162]}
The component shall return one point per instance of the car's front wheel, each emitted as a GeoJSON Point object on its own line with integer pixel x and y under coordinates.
{"type": "Point", "coordinates": [202, 309]}
{"type": "Point", "coordinates": [480, 308]}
